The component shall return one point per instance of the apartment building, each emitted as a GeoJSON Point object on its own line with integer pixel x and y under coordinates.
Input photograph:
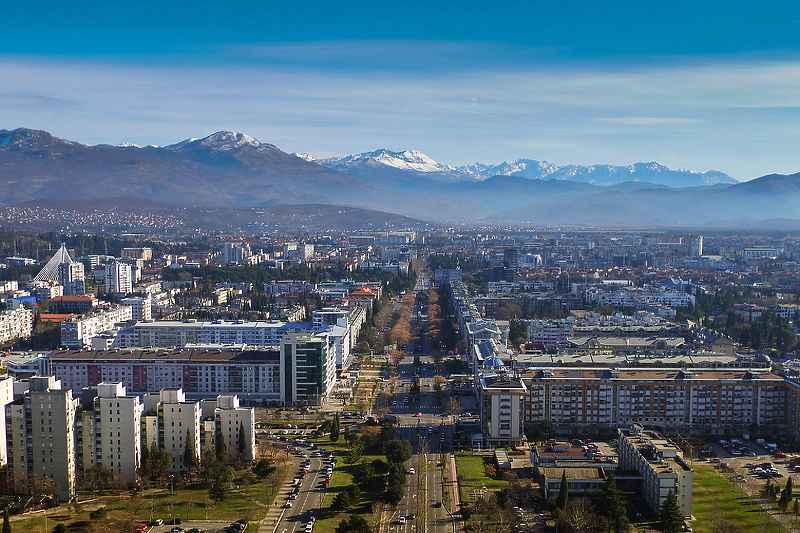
{"type": "Point", "coordinates": [111, 431]}
{"type": "Point", "coordinates": [15, 323]}
{"type": "Point", "coordinates": [176, 334]}
{"type": "Point", "coordinates": [141, 308]}
{"type": "Point", "coordinates": [78, 333]}
{"type": "Point", "coordinates": [200, 373]}
{"type": "Point", "coordinates": [696, 401]}
{"type": "Point", "coordinates": [661, 465]}
{"type": "Point", "coordinates": [228, 421]}
{"type": "Point", "coordinates": [502, 399]}
{"type": "Point", "coordinates": [119, 277]}
{"type": "Point", "coordinates": [40, 437]}
{"type": "Point", "coordinates": [178, 420]}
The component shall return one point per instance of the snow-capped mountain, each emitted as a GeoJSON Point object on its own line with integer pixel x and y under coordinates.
{"type": "Point", "coordinates": [223, 141]}
{"type": "Point", "coordinates": [374, 166]}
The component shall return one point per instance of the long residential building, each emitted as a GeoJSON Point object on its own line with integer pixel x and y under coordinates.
{"type": "Point", "coordinates": [696, 401]}
{"type": "Point", "coordinates": [78, 333]}
{"type": "Point", "coordinates": [176, 334]}
{"type": "Point", "coordinates": [15, 323]}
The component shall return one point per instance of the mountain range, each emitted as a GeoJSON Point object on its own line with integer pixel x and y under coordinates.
{"type": "Point", "coordinates": [234, 170]}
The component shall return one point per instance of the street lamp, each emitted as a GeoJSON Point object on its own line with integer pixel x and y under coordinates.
{"type": "Point", "coordinates": [172, 483]}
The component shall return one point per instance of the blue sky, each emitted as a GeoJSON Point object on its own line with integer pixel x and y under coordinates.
{"type": "Point", "coordinates": [695, 85]}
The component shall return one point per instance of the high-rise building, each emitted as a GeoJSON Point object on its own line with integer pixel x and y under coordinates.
{"type": "Point", "coordinates": [71, 277]}
{"type": "Point", "coordinates": [308, 369]}
{"type": "Point", "coordinates": [115, 440]}
{"type": "Point", "coordinates": [119, 278]}
{"type": "Point", "coordinates": [178, 420]}
{"type": "Point", "coordinates": [40, 438]}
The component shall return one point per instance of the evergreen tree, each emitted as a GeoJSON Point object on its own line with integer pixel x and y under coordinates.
{"type": "Point", "coordinates": [563, 492]}
{"type": "Point", "coordinates": [611, 505]}
{"type": "Point", "coordinates": [189, 454]}
{"type": "Point", "coordinates": [242, 444]}
{"type": "Point", "coordinates": [789, 488]}
{"type": "Point", "coordinates": [670, 516]}
{"type": "Point", "coordinates": [335, 428]}
{"type": "Point", "coordinates": [783, 501]}
{"type": "Point", "coordinates": [6, 521]}
{"type": "Point", "coordinates": [220, 448]}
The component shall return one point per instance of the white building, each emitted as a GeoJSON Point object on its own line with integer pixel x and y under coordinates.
{"type": "Point", "coordinates": [71, 277]}
{"type": "Point", "coordinates": [117, 431]}
{"type": "Point", "coordinates": [78, 333]}
{"type": "Point", "coordinates": [177, 421]}
{"type": "Point", "coordinates": [229, 421]}
{"type": "Point", "coordinates": [15, 323]}
{"type": "Point", "coordinates": [141, 308]}
{"type": "Point", "coordinates": [119, 278]}
{"type": "Point", "coordinates": [661, 465]}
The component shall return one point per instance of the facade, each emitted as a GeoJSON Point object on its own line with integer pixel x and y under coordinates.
{"type": "Point", "coordinates": [199, 373]}
{"type": "Point", "coordinates": [40, 437]}
{"type": "Point", "coordinates": [119, 277]}
{"type": "Point", "coordinates": [78, 333]}
{"type": "Point", "coordinates": [661, 465]}
{"type": "Point", "coordinates": [141, 308]}
{"type": "Point", "coordinates": [71, 277]}
{"type": "Point", "coordinates": [697, 401]}
{"type": "Point", "coordinates": [178, 420]}
{"type": "Point", "coordinates": [502, 398]}
{"type": "Point", "coordinates": [229, 420]}
{"type": "Point", "coordinates": [307, 369]}
{"type": "Point", "coordinates": [116, 430]}
{"type": "Point", "coordinates": [176, 334]}
{"type": "Point", "coordinates": [72, 304]}
{"type": "Point", "coordinates": [15, 323]}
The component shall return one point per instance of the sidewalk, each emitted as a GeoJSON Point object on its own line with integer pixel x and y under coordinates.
{"type": "Point", "coordinates": [460, 526]}
{"type": "Point", "coordinates": [275, 513]}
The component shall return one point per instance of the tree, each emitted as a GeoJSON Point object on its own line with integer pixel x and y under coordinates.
{"type": "Point", "coordinates": [218, 491]}
{"type": "Point", "coordinates": [61, 528]}
{"type": "Point", "coordinates": [355, 524]}
{"type": "Point", "coordinates": [6, 521]}
{"type": "Point", "coordinates": [783, 501]}
{"type": "Point", "coordinates": [789, 488]}
{"type": "Point", "coordinates": [242, 444]}
{"type": "Point", "coordinates": [190, 460]}
{"type": "Point", "coordinates": [578, 517]}
{"type": "Point", "coordinates": [356, 449]}
{"type": "Point", "coordinates": [264, 468]}
{"type": "Point", "coordinates": [397, 450]}
{"type": "Point", "coordinates": [354, 492]}
{"type": "Point", "coordinates": [335, 428]}
{"type": "Point", "coordinates": [220, 448]}
{"type": "Point", "coordinates": [546, 427]}
{"type": "Point", "coordinates": [611, 506]}
{"type": "Point", "coordinates": [670, 516]}
{"type": "Point", "coordinates": [563, 492]}
{"type": "Point", "coordinates": [341, 502]}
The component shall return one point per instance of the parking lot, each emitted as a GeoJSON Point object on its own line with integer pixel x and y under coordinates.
{"type": "Point", "coordinates": [752, 464]}
{"type": "Point", "coordinates": [186, 525]}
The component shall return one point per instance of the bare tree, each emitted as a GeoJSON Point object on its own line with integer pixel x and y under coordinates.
{"type": "Point", "coordinates": [579, 516]}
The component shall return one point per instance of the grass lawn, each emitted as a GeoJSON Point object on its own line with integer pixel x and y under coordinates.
{"type": "Point", "coordinates": [714, 497]}
{"type": "Point", "coordinates": [472, 477]}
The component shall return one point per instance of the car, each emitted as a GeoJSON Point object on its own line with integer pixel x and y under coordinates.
{"type": "Point", "coordinates": [412, 516]}
{"type": "Point", "coordinates": [418, 414]}
{"type": "Point", "coordinates": [173, 521]}
{"type": "Point", "coordinates": [437, 504]}
{"type": "Point", "coordinates": [402, 520]}
{"type": "Point", "coordinates": [412, 471]}
{"type": "Point", "coordinates": [193, 530]}
{"type": "Point", "coordinates": [288, 505]}
{"type": "Point", "coordinates": [176, 530]}
{"type": "Point", "coordinates": [293, 496]}
{"type": "Point", "coordinates": [687, 528]}
{"type": "Point", "coordinates": [157, 522]}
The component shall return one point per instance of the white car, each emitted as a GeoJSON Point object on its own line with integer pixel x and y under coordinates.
{"type": "Point", "coordinates": [402, 519]}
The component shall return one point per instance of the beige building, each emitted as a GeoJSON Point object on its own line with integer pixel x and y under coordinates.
{"type": "Point", "coordinates": [40, 437]}
{"type": "Point", "coordinates": [661, 465]}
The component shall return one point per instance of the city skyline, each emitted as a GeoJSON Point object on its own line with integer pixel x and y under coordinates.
{"type": "Point", "coordinates": [698, 86]}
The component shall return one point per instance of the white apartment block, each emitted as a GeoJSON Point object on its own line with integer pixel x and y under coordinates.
{"type": "Point", "coordinates": [117, 431]}
{"type": "Point", "coordinates": [177, 421]}
{"type": "Point", "coordinates": [229, 419]}
{"type": "Point", "coordinates": [78, 333]}
{"type": "Point", "coordinates": [40, 436]}
{"type": "Point", "coordinates": [119, 277]}
{"type": "Point", "coordinates": [71, 277]}
{"type": "Point", "coordinates": [661, 465]}
{"type": "Point", "coordinates": [141, 308]}
{"type": "Point", "coordinates": [6, 397]}
{"type": "Point", "coordinates": [550, 332]}
{"type": "Point", "coordinates": [175, 334]}
{"type": "Point", "coordinates": [15, 323]}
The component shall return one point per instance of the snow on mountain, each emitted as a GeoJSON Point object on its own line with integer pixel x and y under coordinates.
{"type": "Point", "coordinates": [305, 157]}
{"type": "Point", "coordinates": [223, 141]}
{"type": "Point", "coordinates": [407, 160]}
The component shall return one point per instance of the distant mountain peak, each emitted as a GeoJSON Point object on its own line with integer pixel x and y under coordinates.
{"type": "Point", "coordinates": [406, 160]}
{"type": "Point", "coordinates": [223, 141]}
{"type": "Point", "coordinates": [24, 138]}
